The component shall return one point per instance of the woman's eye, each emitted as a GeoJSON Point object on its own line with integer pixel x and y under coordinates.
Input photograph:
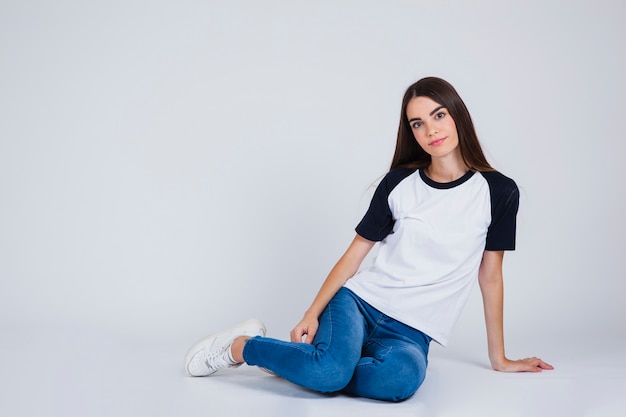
{"type": "Point", "coordinates": [417, 124]}
{"type": "Point", "coordinates": [440, 115]}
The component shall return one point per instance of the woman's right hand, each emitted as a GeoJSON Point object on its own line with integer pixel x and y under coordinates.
{"type": "Point", "coordinates": [345, 268]}
{"type": "Point", "coordinates": [304, 332]}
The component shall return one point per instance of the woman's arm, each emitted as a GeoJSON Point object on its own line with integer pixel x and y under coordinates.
{"type": "Point", "coordinates": [345, 268]}
{"type": "Point", "coordinates": [491, 287]}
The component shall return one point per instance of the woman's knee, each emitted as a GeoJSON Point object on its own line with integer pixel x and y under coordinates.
{"type": "Point", "coordinates": [410, 374]}
{"type": "Point", "coordinates": [405, 388]}
{"type": "Point", "coordinates": [392, 388]}
{"type": "Point", "coordinates": [395, 377]}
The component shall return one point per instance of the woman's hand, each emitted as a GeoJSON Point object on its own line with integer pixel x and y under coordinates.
{"type": "Point", "coordinates": [522, 365]}
{"type": "Point", "coordinates": [490, 280]}
{"type": "Point", "coordinates": [307, 327]}
{"type": "Point", "coordinates": [345, 268]}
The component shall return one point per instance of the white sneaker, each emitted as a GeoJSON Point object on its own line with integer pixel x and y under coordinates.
{"type": "Point", "coordinates": [212, 353]}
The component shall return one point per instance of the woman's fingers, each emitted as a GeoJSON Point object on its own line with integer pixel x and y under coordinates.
{"type": "Point", "coordinates": [303, 329]}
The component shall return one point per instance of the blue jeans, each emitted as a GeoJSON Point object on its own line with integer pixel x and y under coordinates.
{"type": "Point", "coordinates": [357, 350]}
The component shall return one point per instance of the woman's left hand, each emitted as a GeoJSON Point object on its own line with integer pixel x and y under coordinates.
{"type": "Point", "coordinates": [523, 365]}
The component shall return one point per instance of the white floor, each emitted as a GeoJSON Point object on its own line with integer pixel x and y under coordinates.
{"type": "Point", "coordinates": [78, 372]}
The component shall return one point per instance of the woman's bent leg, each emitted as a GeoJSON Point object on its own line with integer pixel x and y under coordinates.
{"type": "Point", "coordinates": [328, 364]}
{"type": "Point", "coordinates": [390, 370]}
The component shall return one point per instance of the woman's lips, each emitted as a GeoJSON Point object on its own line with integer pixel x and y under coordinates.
{"type": "Point", "coordinates": [437, 142]}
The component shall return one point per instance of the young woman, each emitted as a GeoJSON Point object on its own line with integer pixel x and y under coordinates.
{"type": "Point", "coordinates": [443, 217]}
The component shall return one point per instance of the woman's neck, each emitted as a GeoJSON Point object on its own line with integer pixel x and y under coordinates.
{"type": "Point", "coordinates": [446, 169]}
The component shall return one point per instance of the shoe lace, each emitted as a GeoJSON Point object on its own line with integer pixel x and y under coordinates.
{"type": "Point", "coordinates": [217, 360]}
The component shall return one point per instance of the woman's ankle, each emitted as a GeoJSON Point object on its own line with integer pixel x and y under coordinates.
{"type": "Point", "coordinates": [236, 348]}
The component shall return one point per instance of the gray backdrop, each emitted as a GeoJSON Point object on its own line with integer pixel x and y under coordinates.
{"type": "Point", "coordinates": [176, 166]}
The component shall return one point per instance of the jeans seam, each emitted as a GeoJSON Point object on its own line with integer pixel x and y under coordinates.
{"type": "Point", "coordinates": [374, 328]}
{"type": "Point", "coordinates": [330, 320]}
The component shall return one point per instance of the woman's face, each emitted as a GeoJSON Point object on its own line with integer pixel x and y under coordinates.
{"type": "Point", "coordinates": [433, 127]}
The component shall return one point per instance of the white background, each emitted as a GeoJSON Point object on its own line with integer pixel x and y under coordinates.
{"type": "Point", "coordinates": [171, 167]}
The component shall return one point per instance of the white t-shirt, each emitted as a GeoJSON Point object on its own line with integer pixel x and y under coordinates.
{"type": "Point", "coordinates": [432, 237]}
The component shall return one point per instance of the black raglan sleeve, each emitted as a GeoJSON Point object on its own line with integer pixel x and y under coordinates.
{"type": "Point", "coordinates": [504, 206]}
{"type": "Point", "coordinates": [378, 220]}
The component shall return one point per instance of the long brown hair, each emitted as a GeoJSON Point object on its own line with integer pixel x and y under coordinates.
{"type": "Point", "coordinates": [408, 153]}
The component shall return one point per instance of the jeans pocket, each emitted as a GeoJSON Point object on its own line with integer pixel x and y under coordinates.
{"type": "Point", "coordinates": [374, 351]}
